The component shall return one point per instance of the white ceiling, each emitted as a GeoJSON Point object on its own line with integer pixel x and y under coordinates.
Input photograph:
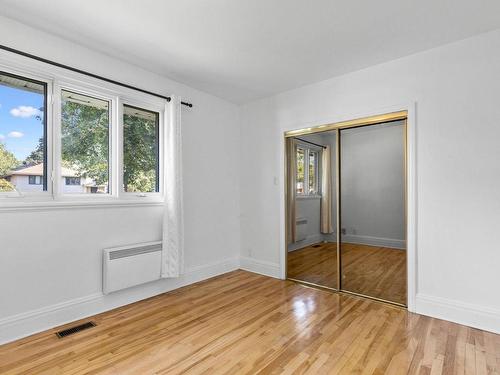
{"type": "Point", "coordinates": [243, 50]}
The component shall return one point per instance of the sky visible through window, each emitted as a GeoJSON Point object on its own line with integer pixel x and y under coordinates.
{"type": "Point", "coordinates": [20, 129]}
{"type": "Point", "coordinates": [85, 125]}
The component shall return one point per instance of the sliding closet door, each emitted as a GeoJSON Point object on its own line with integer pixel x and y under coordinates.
{"type": "Point", "coordinates": [372, 211]}
{"type": "Point", "coordinates": [311, 209]}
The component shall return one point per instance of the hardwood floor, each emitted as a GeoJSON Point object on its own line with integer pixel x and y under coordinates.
{"type": "Point", "coordinates": [374, 271]}
{"type": "Point", "coordinates": [244, 323]}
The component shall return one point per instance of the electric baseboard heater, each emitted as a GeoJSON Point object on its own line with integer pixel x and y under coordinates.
{"type": "Point", "coordinates": [127, 266]}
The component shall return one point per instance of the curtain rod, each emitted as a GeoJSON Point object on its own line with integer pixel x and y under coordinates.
{"type": "Point", "coordinates": [312, 143]}
{"type": "Point", "coordinates": [76, 70]}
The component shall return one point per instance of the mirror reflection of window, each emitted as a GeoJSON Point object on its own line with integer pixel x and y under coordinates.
{"type": "Point", "coordinates": [307, 170]}
{"type": "Point", "coordinates": [300, 170]}
{"type": "Point", "coordinates": [313, 172]}
{"type": "Point", "coordinates": [311, 242]}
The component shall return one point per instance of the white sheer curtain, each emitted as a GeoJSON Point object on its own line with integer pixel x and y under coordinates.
{"type": "Point", "coordinates": [173, 225]}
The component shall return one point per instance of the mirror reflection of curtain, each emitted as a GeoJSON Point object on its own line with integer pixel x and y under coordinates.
{"type": "Point", "coordinates": [291, 149]}
{"type": "Point", "coordinates": [326, 191]}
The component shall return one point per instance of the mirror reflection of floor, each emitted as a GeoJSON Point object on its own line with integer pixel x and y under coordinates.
{"type": "Point", "coordinates": [371, 270]}
{"type": "Point", "coordinates": [374, 271]}
{"type": "Point", "coordinates": [315, 264]}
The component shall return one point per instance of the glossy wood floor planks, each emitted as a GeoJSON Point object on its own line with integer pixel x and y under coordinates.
{"type": "Point", "coordinates": [244, 323]}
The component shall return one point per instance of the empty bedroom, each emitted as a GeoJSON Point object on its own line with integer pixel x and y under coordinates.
{"type": "Point", "coordinates": [249, 187]}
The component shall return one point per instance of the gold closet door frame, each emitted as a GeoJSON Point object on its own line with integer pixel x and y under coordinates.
{"type": "Point", "coordinates": [355, 123]}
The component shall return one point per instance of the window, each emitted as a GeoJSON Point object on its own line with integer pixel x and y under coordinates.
{"type": "Point", "coordinates": [307, 178]}
{"type": "Point", "coordinates": [73, 139]}
{"type": "Point", "coordinates": [85, 124]}
{"type": "Point", "coordinates": [22, 134]}
{"type": "Point", "coordinates": [140, 150]}
{"type": "Point", "coordinates": [72, 180]}
{"type": "Point", "coordinates": [35, 180]}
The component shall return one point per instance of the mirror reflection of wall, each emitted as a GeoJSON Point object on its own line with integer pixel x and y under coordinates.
{"type": "Point", "coordinates": [312, 253]}
{"type": "Point", "coordinates": [373, 249]}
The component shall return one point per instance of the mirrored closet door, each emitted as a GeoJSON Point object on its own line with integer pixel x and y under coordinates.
{"type": "Point", "coordinates": [346, 208]}
{"type": "Point", "coordinates": [311, 206]}
{"type": "Point", "coordinates": [372, 211]}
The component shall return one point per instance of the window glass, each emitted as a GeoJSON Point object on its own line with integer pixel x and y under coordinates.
{"type": "Point", "coordinates": [300, 170]}
{"type": "Point", "coordinates": [35, 180]}
{"type": "Point", "coordinates": [140, 150]}
{"type": "Point", "coordinates": [22, 134]}
{"type": "Point", "coordinates": [85, 123]}
{"type": "Point", "coordinates": [73, 180]}
{"type": "Point", "coordinates": [313, 172]}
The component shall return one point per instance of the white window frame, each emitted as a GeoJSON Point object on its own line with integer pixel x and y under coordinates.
{"type": "Point", "coordinates": [37, 76]}
{"type": "Point", "coordinates": [58, 79]}
{"type": "Point", "coordinates": [307, 149]}
{"type": "Point", "coordinates": [153, 107]}
{"type": "Point", "coordinates": [58, 186]}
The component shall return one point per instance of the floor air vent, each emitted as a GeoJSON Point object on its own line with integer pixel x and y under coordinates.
{"type": "Point", "coordinates": [75, 329]}
{"type": "Point", "coordinates": [316, 245]}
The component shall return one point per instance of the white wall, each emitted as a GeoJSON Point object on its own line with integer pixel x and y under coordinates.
{"type": "Point", "coordinates": [372, 185]}
{"type": "Point", "coordinates": [50, 268]}
{"type": "Point", "coordinates": [455, 88]}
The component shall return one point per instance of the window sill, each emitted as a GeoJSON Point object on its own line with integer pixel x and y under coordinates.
{"type": "Point", "coordinates": [312, 196]}
{"type": "Point", "coordinates": [72, 204]}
